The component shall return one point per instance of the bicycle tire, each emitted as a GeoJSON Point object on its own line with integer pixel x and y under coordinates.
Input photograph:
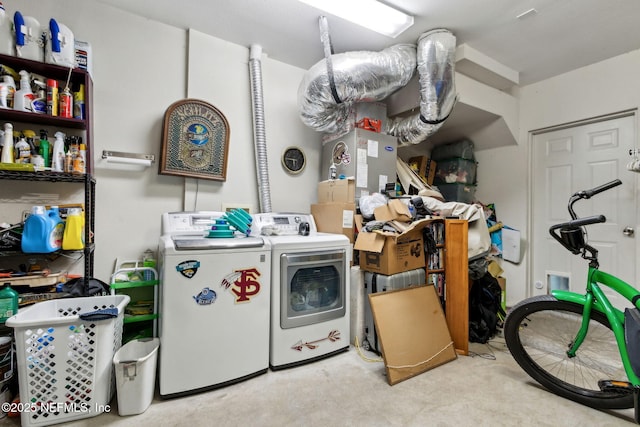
{"type": "Point", "coordinates": [538, 332]}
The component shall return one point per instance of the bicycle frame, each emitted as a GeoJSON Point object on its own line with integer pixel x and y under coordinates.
{"type": "Point", "coordinates": [595, 299]}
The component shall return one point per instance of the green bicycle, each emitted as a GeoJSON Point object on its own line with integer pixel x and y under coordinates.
{"type": "Point", "coordinates": [579, 346]}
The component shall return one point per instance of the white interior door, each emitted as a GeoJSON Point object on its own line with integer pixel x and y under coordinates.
{"type": "Point", "coordinates": [577, 158]}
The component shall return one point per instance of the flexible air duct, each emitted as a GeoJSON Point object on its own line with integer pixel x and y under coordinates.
{"type": "Point", "coordinates": [436, 60]}
{"type": "Point", "coordinates": [259, 134]}
{"type": "Point", "coordinates": [325, 101]}
{"type": "Point", "coordinates": [332, 86]}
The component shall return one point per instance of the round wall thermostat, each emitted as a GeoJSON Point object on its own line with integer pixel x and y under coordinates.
{"type": "Point", "coordinates": [293, 160]}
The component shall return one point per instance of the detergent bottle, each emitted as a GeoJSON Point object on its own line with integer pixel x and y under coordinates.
{"type": "Point", "coordinates": [8, 302]}
{"type": "Point", "coordinates": [45, 148]}
{"type": "Point", "coordinates": [7, 145]}
{"type": "Point", "coordinates": [29, 37]}
{"type": "Point", "coordinates": [24, 96]}
{"type": "Point", "coordinates": [6, 32]}
{"type": "Point", "coordinates": [37, 232]}
{"type": "Point", "coordinates": [57, 159]}
{"type": "Point", "coordinates": [57, 234]}
{"type": "Point", "coordinates": [59, 46]}
{"type": "Point", "coordinates": [73, 238]}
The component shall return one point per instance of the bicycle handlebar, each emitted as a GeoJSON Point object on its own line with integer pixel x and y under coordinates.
{"type": "Point", "coordinates": [595, 219]}
{"type": "Point", "coordinates": [570, 234]}
{"type": "Point", "coordinates": [587, 194]}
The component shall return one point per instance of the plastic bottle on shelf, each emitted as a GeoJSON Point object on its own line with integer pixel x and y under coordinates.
{"type": "Point", "coordinates": [73, 238]}
{"type": "Point", "coordinates": [8, 302]}
{"type": "Point", "coordinates": [57, 159]}
{"type": "Point", "coordinates": [52, 97]}
{"type": "Point", "coordinates": [37, 231]}
{"type": "Point", "coordinates": [83, 158]}
{"type": "Point", "coordinates": [57, 233]}
{"type": "Point", "coordinates": [7, 145]}
{"type": "Point", "coordinates": [45, 148]}
{"type": "Point", "coordinates": [148, 260]}
{"type": "Point", "coordinates": [22, 151]}
{"type": "Point", "coordinates": [24, 96]}
{"type": "Point", "coordinates": [78, 103]}
{"type": "Point", "coordinates": [11, 89]}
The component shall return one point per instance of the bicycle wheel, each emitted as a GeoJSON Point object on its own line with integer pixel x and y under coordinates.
{"type": "Point", "coordinates": [539, 331]}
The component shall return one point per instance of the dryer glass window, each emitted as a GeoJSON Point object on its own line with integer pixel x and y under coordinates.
{"type": "Point", "coordinates": [314, 290]}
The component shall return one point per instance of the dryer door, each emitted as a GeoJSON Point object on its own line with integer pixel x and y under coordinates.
{"type": "Point", "coordinates": [313, 287]}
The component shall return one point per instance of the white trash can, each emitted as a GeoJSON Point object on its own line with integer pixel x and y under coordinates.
{"type": "Point", "coordinates": [135, 365]}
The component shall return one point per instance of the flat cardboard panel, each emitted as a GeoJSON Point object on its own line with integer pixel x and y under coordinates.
{"type": "Point", "coordinates": [412, 331]}
{"type": "Point", "coordinates": [337, 218]}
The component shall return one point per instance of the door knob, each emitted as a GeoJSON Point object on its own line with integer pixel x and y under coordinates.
{"type": "Point", "coordinates": [628, 231]}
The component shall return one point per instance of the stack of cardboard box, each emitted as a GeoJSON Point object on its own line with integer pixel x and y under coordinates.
{"type": "Point", "coordinates": [336, 207]}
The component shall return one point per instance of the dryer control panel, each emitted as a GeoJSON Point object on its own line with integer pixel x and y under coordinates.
{"type": "Point", "coordinates": [282, 224]}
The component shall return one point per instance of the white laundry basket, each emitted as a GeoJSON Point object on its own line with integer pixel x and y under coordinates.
{"type": "Point", "coordinates": [135, 365]}
{"type": "Point", "coordinates": [64, 353]}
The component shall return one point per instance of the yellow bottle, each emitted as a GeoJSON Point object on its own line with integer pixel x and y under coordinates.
{"type": "Point", "coordinates": [73, 238]}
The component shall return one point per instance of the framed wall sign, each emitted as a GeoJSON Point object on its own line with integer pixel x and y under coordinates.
{"type": "Point", "coordinates": [195, 141]}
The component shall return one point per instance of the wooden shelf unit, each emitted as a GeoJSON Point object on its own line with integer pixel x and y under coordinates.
{"type": "Point", "coordinates": [455, 268]}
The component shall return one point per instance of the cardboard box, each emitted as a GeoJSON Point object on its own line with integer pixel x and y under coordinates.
{"type": "Point", "coordinates": [390, 253]}
{"type": "Point", "coordinates": [412, 330]}
{"type": "Point", "coordinates": [337, 190]}
{"type": "Point", "coordinates": [335, 218]}
{"type": "Point", "coordinates": [424, 167]}
{"type": "Point", "coordinates": [394, 210]}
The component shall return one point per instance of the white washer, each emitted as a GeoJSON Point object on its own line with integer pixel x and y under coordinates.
{"type": "Point", "coordinates": [309, 292]}
{"type": "Point", "coordinates": [214, 305]}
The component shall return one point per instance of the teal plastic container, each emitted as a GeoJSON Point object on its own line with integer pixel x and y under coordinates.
{"type": "Point", "coordinates": [38, 232]}
{"type": "Point", "coordinates": [8, 302]}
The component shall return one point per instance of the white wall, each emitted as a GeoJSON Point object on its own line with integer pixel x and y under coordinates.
{"type": "Point", "coordinates": [503, 173]}
{"type": "Point", "coordinates": [140, 68]}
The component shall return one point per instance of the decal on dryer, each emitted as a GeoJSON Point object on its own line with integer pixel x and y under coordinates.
{"type": "Point", "coordinates": [188, 268]}
{"type": "Point", "coordinates": [244, 283]}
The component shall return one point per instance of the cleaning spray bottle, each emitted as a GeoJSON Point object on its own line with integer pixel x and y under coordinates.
{"type": "Point", "coordinates": [45, 148]}
{"type": "Point", "coordinates": [24, 96]}
{"type": "Point", "coordinates": [7, 146]}
{"type": "Point", "coordinates": [57, 159]}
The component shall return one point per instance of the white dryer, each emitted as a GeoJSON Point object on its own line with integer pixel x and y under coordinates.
{"type": "Point", "coordinates": [310, 289]}
{"type": "Point", "coordinates": [214, 305]}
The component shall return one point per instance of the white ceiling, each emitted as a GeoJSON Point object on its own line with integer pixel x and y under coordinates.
{"type": "Point", "coordinates": [562, 36]}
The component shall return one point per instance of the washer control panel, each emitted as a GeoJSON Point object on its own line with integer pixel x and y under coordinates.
{"type": "Point", "coordinates": [188, 222]}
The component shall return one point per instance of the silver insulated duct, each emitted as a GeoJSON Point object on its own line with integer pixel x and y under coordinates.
{"type": "Point", "coordinates": [325, 98]}
{"type": "Point", "coordinates": [436, 59]}
{"type": "Point", "coordinates": [259, 133]}
{"type": "Point", "coordinates": [332, 86]}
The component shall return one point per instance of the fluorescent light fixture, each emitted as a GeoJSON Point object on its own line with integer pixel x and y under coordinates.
{"type": "Point", "coordinates": [370, 14]}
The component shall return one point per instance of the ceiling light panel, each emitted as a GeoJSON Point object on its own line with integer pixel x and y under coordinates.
{"type": "Point", "coordinates": [370, 14]}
